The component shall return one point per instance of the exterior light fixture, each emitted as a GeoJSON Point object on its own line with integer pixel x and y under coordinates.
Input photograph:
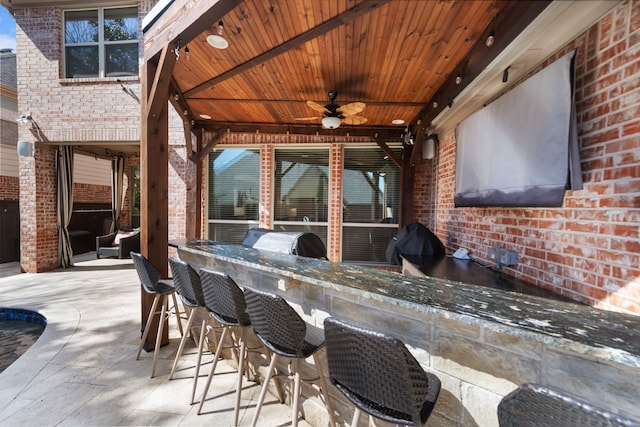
{"type": "Point", "coordinates": [435, 104]}
{"type": "Point", "coordinates": [331, 122]}
{"type": "Point", "coordinates": [458, 79]}
{"type": "Point", "coordinates": [187, 52]}
{"type": "Point", "coordinates": [217, 40]}
{"type": "Point", "coordinates": [491, 38]}
{"type": "Point", "coordinates": [24, 118]}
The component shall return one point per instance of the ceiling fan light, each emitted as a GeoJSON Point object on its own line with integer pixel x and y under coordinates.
{"type": "Point", "coordinates": [331, 122]}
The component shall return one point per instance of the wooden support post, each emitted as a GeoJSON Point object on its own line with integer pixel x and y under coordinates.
{"type": "Point", "coordinates": [154, 161]}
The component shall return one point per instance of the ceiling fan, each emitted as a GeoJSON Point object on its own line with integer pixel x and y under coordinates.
{"type": "Point", "coordinates": [333, 115]}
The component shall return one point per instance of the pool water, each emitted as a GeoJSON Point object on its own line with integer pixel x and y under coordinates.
{"type": "Point", "coordinates": [19, 329]}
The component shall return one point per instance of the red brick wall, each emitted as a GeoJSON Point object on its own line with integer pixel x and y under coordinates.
{"type": "Point", "coordinates": [9, 188]}
{"type": "Point", "coordinates": [91, 193]}
{"type": "Point", "coordinates": [64, 110]}
{"type": "Point", "coordinates": [589, 249]}
{"type": "Point", "coordinates": [38, 222]}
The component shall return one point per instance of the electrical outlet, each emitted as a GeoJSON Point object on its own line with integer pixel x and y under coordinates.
{"type": "Point", "coordinates": [509, 258]}
{"type": "Point", "coordinates": [496, 253]}
{"type": "Point", "coordinates": [502, 256]}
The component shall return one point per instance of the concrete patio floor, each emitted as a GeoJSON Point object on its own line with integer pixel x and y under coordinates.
{"type": "Point", "coordinates": [82, 370]}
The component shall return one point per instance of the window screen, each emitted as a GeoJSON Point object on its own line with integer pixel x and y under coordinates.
{"type": "Point", "coordinates": [301, 187]}
{"type": "Point", "coordinates": [370, 201]}
{"type": "Point", "coordinates": [234, 193]}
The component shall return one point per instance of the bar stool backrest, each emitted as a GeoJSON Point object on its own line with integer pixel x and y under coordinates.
{"type": "Point", "coordinates": [378, 374]}
{"type": "Point", "coordinates": [147, 273]}
{"type": "Point", "coordinates": [187, 283]}
{"type": "Point", "coordinates": [535, 405]}
{"type": "Point", "coordinates": [224, 298]}
{"type": "Point", "coordinates": [276, 323]}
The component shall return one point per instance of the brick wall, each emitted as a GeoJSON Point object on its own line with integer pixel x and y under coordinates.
{"type": "Point", "coordinates": [38, 222]}
{"type": "Point", "coordinates": [182, 182]}
{"type": "Point", "coordinates": [91, 193]}
{"type": "Point", "coordinates": [9, 188]}
{"type": "Point", "coordinates": [589, 249]}
{"type": "Point", "coordinates": [63, 110]}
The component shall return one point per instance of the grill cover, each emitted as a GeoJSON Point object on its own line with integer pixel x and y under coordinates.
{"type": "Point", "coordinates": [416, 243]}
{"type": "Point", "coordinates": [287, 242]}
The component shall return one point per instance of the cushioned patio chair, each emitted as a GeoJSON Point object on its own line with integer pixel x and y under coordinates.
{"type": "Point", "coordinates": [118, 244]}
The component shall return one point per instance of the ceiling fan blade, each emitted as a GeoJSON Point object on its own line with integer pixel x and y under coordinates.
{"type": "Point", "coordinates": [307, 118]}
{"type": "Point", "coordinates": [314, 105]}
{"type": "Point", "coordinates": [354, 120]}
{"type": "Point", "coordinates": [352, 109]}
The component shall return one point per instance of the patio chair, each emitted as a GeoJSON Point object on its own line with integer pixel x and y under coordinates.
{"type": "Point", "coordinates": [379, 375]}
{"type": "Point", "coordinates": [160, 289]}
{"type": "Point", "coordinates": [284, 333]}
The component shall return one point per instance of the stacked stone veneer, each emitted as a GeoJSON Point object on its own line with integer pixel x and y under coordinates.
{"type": "Point", "coordinates": [589, 249]}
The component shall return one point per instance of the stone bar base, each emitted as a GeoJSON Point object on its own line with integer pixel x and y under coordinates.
{"type": "Point", "coordinates": [482, 343]}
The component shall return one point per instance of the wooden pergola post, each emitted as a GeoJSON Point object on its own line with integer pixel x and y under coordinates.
{"type": "Point", "coordinates": [181, 22]}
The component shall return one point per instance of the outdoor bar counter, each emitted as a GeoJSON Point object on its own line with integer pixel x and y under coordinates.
{"type": "Point", "coordinates": [481, 342]}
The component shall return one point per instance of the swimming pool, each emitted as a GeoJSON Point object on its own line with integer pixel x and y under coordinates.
{"type": "Point", "coordinates": [19, 329]}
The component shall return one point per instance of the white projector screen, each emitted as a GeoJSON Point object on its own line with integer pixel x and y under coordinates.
{"type": "Point", "coordinates": [521, 150]}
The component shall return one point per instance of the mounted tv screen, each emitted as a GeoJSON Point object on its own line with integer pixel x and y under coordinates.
{"type": "Point", "coordinates": [522, 149]}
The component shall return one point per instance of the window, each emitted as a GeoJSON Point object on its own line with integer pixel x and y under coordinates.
{"type": "Point", "coordinates": [101, 42]}
{"type": "Point", "coordinates": [234, 193]}
{"type": "Point", "coordinates": [301, 187]}
{"type": "Point", "coordinates": [371, 200]}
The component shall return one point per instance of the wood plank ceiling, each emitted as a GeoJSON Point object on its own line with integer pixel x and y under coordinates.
{"type": "Point", "coordinates": [396, 56]}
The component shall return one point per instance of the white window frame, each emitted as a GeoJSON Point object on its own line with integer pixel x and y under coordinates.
{"type": "Point", "coordinates": [101, 43]}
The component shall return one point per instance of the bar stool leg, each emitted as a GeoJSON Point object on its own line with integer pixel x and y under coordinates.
{"type": "Point", "coordinates": [325, 390]}
{"type": "Point", "coordinates": [296, 394]}
{"type": "Point", "coordinates": [178, 313]}
{"type": "Point", "coordinates": [199, 359]}
{"type": "Point", "coordinates": [152, 313]}
{"type": "Point", "coordinates": [241, 363]}
{"type": "Point", "coordinates": [356, 417]}
{"type": "Point", "coordinates": [163, 314]}
{"type": "Point", "coordinates": [183, 341]}
{"type": "Point", "coordinates": [263, 392]}
{"type": "Point", "coordinates": [213, 368]}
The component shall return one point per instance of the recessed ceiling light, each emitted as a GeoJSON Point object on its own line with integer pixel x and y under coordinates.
{"type": "Point", "coordinates": [205, 116]}
{"type": "Point", "coordinates": [397, 121]}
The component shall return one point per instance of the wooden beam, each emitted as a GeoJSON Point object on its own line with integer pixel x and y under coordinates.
{"type": "Point", "coordinates": [159, 90]}
{"type": "Point", "coordinates": [209, 146]}
{"type": "Point", "coordinates": [183, 21]}
{"type": "Point", "coordinates": [389, 152]}
{"type": "Point", "coordinates": [331, 24]}
{"type": "Point", "coordinates": [507, 26]}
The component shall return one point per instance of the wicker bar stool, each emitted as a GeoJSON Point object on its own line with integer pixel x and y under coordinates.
{"type": "Point", "coordinates": [284, 333]}
{"type": "Point", "coordinates": [189, 288]}
{"type": "Point", "coordinates": [535, 405]}
{"type": "Point", "coordinates": [379, 375]}
{"type": "Point", "coordinates": [226, 304]}
{"type": "Point", "coordinates": [161, 289]}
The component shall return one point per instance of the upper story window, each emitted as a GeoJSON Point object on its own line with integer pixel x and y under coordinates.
{"type": "Point", "coordinates": [101, 42]}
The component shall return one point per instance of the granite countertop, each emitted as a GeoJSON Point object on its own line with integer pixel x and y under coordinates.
{"type": "Point", "coordinates": [602, 334]}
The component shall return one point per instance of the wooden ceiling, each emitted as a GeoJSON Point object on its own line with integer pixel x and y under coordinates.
{"type": "Point", "coordinates": [396, 56]}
